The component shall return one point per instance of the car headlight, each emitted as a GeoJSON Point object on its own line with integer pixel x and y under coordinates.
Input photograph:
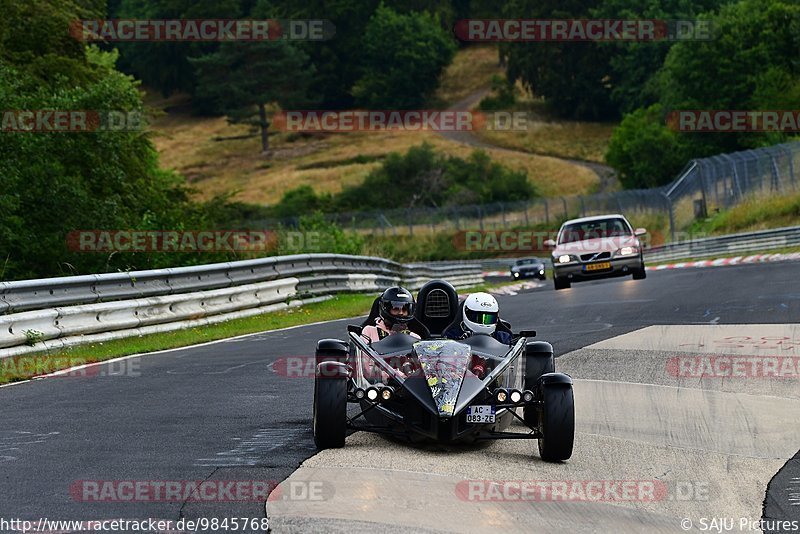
{"type": "Point", "coordinates": [628, 251]}
{"type": "Point", "coordinates": [564, 258]}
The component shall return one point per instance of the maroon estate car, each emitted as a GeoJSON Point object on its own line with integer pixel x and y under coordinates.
{"type": "Point", "coordinates": [589, 248]}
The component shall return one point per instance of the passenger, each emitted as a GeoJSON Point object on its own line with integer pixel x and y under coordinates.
{"type": "Point", "coordinates": [396, 311]}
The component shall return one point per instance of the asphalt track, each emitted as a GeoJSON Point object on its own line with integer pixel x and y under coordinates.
{"type": "Point", "coordinates": [718, 447]}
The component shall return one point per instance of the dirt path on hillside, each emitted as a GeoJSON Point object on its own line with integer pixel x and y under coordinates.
{"type": "Point", "coordinates": [606, 174]}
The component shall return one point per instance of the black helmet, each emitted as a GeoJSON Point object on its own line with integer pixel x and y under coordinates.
{"type": "Point", "coordinates": [396, 306]}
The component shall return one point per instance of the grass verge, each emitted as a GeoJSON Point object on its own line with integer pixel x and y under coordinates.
{"type": "Point", "coordinates": [28, 366]}
{"type": "Point", "coordinates": [35, 364]}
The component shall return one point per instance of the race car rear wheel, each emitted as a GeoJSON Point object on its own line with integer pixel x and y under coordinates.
{"type": "Point", "coordinates": [560, 283]}
{"type": "Point", "coordinates": [330, 412]}
{"type": "Point", "coordinates": [557, 423]}
{"type": "Point", "coordinates": [538, 361]}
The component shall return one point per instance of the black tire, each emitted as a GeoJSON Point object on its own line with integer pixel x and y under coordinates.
{"type": "Point", "coordinates": [557, 423]}
{"type": "Point", "coordinates": [560, 283]}
{"type": "Point", "coordinates": [536, 365]}
{"type": "Point", "coordinates": [330, 412]}
{"type": "Point", "coordinates": [640, 273]}
{"type": "Point", "coordinates": [330, 356]}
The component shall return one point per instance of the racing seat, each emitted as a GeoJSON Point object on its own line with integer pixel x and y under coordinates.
{"type": "Point", "coordinates": [437, 306]}
{"type": "Point", "coordinates": [414, 324]}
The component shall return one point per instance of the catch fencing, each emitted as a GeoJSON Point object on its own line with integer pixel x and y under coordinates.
{"type": "Point", "coordinates": [703, 187]}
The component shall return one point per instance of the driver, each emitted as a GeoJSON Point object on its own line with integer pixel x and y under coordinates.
{"type": "Point", "coordinates": [480, 316]}
{"type": "Point", "coordinates": [396, 310]}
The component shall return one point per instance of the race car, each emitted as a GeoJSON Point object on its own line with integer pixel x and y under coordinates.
{"type": "Point", "coordinates": [433, 388]}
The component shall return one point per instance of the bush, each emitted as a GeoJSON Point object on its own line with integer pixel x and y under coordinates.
{"type": "Point", "coordinates": [316, 234]}
{"type": "Point", "coordinates": [644, 151]}
{"type": "Point", "coordinates": [418, 178]}
{"type": "Point", "coordinates": [502, 98]}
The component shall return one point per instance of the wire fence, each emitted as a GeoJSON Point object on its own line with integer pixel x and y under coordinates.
{"type": "Point", "coordinates": [704, 186]}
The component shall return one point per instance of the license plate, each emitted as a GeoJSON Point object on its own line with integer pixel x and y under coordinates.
{"type": "Point", "coordinates": [598, 266]}
{"type": "Point", "coordinates": [480, 414]}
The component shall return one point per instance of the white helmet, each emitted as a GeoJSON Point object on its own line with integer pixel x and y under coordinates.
{"type": "Point", "coordinates": [481, 313]}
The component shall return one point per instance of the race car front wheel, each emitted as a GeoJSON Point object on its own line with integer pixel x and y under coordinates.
{"type": "Point", "coordinates": [557, 422]}
{"type": "Point", "coordinates": [538, 361]}
{"type": "Point", "coordinates": [330, 411]}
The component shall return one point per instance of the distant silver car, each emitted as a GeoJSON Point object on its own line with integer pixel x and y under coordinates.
{"type": "Point", "coordinates": [596, 247]}
{"type": "Point", "coordinates": [528, 268]}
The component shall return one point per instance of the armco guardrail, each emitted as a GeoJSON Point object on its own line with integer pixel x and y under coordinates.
{"type": "Point", "coordinates": [57, 312]}
{"type": "Point", "coordinates": [726, 245]}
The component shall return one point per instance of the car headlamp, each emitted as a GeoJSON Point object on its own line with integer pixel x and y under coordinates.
{"type": "Point", "coordinates": [372, 393]}
{"type": "Point", "coordinates": [628, 251]}
{"type": "Point", "coordinates": [564, 258]}
{"type": "Point", "coordinates": [515, 396]}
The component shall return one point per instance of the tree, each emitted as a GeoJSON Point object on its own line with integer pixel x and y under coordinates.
{"type": "Point", "coordinates": [750, 64]}
{"type": "Point", "coordinates": [243, 78]}
{"type": "Point", "coordinates": [595, 80]}
{"type": "Point", "coordinates": [644, 151]}
{"type": "Point", "coordinates": [55, 183]}
{"type": "Point", "coordinates": [165, 66]}
{"type": "Point", "coordinates": [403, 57]}
{"type": "Point", "coordinates": [572, 77]}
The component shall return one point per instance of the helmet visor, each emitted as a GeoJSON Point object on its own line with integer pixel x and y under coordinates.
{"type": "Point", "coordinates": [482, 317]}
{"type": "Point", "coordinates": [400, 309]}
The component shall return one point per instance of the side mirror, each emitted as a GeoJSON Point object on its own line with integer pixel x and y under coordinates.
{"type": "Point", "coordinates": [640, 231]}
{"type": "Point", "coordinates": [354, 328]}
{"type": "Point", "coordinates": [527, 333]}
{"type": "Point", "coordinates": [549, 243]}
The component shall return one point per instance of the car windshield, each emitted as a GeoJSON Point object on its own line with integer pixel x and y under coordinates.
{"type": "Point", "coordinates": [594, 229]}
{"type": "Point", "coordinates": [529, 261]}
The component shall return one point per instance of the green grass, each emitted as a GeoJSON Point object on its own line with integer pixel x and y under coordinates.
{"type": "Point", "coordinates": [34, 364]}
{"type": "Point", "coordinates": [754, 214]}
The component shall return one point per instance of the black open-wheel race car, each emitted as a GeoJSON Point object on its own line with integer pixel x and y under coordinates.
{"type": "Point", "coordinates": [439, 389]}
